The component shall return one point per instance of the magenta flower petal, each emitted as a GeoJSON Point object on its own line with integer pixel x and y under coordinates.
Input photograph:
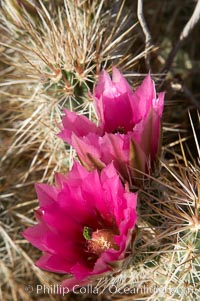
{"type": "Point", "coordinates": [46, 193]}
{"type": "Point", "coordinates": [88, 226]}
{"type": "Point", "coordinates": [88, 150]}
{"type": "Point", "coordinates": [79, 173]}
{"type": "Point", "coordinates": [125, 153]}
{"type": "Point", "coordinates": [115, 148]}
{"type": "Point", "coordinates": [111, 182]}
{"type": "Point", "coordinates": [96, 152]}
{"type": "Point", "coordinates": [120, 82]}
{"type": "Point", "coordinates": [158, 103]}
{"type": "Point", "coordinates": [54, 263]}
{"type": "Point", "coordinates": [112, 97]}
{"type": "Point", "coordinates": [80, 271]}
{"type": "Point", "coordinates": [143, 98]}
{"type": "Point", "coordinates": [104, 83]}
{"type": "Point", "coordinates": [129, 215]}
{"type": "Point", "coordinates": [43, 238]}
{"type": "Point", "coordinates": [78, 124]}
{"type": "Point", "coordinates": [60, 180]}
{"type": "Point", "coordinates": [113, 121]}
{"type": "Point", "coordinates": [67, 222]}
{"type": "Point", "coordinates": [148, 129]}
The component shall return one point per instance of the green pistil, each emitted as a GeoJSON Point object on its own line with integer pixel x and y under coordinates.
{"type": "Point", "coordinates": [87, 233]}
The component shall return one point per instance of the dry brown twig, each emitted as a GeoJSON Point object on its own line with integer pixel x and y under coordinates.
{"type": "Point", "coordinates": [183, 36]}
{"type": "Point", "coordinates": [192, 22]}
{"type": "Point", "coordinates": [145, 29]}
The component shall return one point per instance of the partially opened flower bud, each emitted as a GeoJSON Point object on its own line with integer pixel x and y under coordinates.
{"type": "Point", "coordinates": [129, 128]}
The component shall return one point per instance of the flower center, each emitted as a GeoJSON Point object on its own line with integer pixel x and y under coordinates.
{"type": "Point", "coordinates": [99, 240]}
{"type": "Point", "coordinates": [120, 130]}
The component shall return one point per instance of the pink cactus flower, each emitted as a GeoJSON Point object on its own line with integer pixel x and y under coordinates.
{"type": "Point", "coordinates": [129, 126]}
{"type": "Point", "coordinates": [85, 224]}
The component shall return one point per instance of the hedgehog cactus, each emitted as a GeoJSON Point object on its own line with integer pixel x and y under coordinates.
{"type": "Point", "coordinates": [55, 65]}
